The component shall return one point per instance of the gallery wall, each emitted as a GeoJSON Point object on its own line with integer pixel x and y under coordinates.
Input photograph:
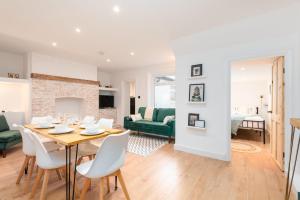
{"type": "Point", "coordinates": [216, 48]}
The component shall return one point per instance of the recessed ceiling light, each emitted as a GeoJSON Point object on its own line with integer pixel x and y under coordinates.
{"type": "Point", "coordinates": [116, 9]}
{"type": "Point", "coordinates": [243, 68]}
{"type": "Point", "coordinates": [108, 60]}
{"type": "Point", "coordinates": [54, 44]}
{"type": "Point", "coordinates": [77, 30]}
{"type": "Point", "coordinates": [132, 53]}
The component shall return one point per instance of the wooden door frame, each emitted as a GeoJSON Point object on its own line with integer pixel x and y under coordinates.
{"type": "Point", "coordinates": [288, 104]}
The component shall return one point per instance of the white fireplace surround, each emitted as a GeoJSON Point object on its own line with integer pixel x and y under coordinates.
{"type": "Point", "coordinates": [70, 106]}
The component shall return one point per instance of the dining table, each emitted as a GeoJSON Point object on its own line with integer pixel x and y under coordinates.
{"type": "Point", "coordinates": [69, 140]}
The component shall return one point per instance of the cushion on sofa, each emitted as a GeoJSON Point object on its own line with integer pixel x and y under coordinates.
{"type": "Point", "coordinates": [153, 127]}
{"type": "Point", "coordinates": [163, 112]}
{"type": "Point", "coordinates": [8, 136]}
{"type": "Point", "coordinates": [142, 111]}
{"type": "Point", "coordinates": [3, 124]}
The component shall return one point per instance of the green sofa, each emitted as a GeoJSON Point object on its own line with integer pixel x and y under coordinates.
{"type": "Point", "coordinates": [8, 138]}
{"type": "Point", "coordinates": [155, 126]}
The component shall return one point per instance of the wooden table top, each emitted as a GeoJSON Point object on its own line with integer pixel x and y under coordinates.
{"type": "Point", "coordinates": [295, 122]}
{"type": "Point", "coordinates": [72, 138]}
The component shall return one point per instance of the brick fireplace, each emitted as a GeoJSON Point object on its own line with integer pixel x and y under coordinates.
{"type": "Point", "coordinates": [46, 90]}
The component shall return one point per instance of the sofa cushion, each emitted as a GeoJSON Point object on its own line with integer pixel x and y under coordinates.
{"type": "Point", "coordinates": [8, 136]}
{"type": "Point", "coordinates": [153, 127]}
{"type": "Point", "coordinates": [142, 111]}
{"type": "Point", "coordinates": [163, 112]}
{"type": "Point", "coordinates": [3, 124]}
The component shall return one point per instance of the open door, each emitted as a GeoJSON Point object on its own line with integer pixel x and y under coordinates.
{"type": "Point", "coordinates": [277, 116]}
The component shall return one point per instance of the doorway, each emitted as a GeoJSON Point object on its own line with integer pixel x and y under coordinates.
{"type": "Point", "coordinates": [257, 107]}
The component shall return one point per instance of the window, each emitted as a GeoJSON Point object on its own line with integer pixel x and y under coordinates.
{"type": "Point", "coordinates": [164, 92]}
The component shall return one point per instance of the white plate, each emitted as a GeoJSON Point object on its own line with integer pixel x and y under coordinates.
{"type": "Point", "coordinates": [39, 126]}
{"type": "Point", "coordinates": [56, 121]}
{"type": "Point", "coordinates": [67, 130]}
{"type": "Point", "coordinates": [84, 132]}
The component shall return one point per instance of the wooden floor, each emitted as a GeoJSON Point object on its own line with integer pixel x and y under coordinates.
{"type": "Point", "coordinates": [170, 175]}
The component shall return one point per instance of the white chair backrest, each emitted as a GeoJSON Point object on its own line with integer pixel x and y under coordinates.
{"type": "Point", "coordinates": [28, 144]}
{"type": "Point", "coordinates": [105, 123]}
{"type": "Point", "coordinates": [40, 120]}
{"type": "Point", "coordinates": [43, 159]}
{"type": "Point", "coordinates": [88, 120]}
{"type": "Point", "coordinates": [110, 156]}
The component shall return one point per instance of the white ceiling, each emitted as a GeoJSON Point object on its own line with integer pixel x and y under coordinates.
{"type": "Point", "coordinates": [252, 70]}
{"type": "Point", "coordinates": [144, 26]}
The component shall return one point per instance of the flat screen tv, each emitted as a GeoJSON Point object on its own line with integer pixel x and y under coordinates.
{"type": "Point", "coordinates": [106, 101]}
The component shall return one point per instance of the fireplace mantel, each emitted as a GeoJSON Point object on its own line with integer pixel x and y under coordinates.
{"type": "Point", "coordinates": [62, 78]}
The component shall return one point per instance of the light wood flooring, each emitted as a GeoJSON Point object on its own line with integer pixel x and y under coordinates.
{"type": "Point", "coordinates": [169, 175]}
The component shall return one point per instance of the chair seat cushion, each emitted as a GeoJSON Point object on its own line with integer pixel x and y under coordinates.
{"type": "Point", "coordinates": [8, 136]}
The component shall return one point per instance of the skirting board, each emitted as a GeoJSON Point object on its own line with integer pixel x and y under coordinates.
{"type": "Point", "coordinates": [201, 152]}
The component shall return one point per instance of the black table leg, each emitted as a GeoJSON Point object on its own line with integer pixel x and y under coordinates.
{"type": "Point", "coordinates": [74, 178]}
{"type": "Point", "coordinates": [116, 182]}
{"type": "Point", "coordinates": [66, 171]}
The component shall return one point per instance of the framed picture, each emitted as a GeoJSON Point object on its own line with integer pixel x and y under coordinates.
{"type": "Point", "coordinates": [196, 92]}
{"type": "Point", "coordinates": [196, 70]}
{"type": "Point", "coordinates": [192, 118]}
{"type": "Point", "coordinates": [200, 123]}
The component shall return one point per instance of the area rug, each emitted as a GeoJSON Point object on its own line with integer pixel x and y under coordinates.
{"type": "Point", "coordinates": [144, 145]}
{"type": "Point", "coordinates": [244, 147]}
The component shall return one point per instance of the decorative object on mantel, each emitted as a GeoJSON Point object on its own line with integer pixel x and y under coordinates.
{"type": "Point", "coordinates": [108, 86]}
{"type": "Point", "coordinates": [196, 70]}
{"type": "Point", "coordinates": [13, 75]}
{"type": "Point", "coordinates": [196, 92]}
{"type": "Point", "coordinates": [295, 123]}
{"type": "Point", "coordinates": [192, 118]}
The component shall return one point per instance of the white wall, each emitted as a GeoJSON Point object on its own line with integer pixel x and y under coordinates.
{"type": "Point", "coordinates": [44, 64]}
{"type": "Point", "coordinates": [272, 34]}
{"type": "Point", "coordinates": [11, 63]}
{"type": "Point", "coordinates": [15, 97]}
{"type": "Point", "coordinates": [104, 78]}
{"type": "Point", "coordinates": [143, 82]}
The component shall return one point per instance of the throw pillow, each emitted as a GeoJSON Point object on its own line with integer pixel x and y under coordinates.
{"type": "Point", "coordinates": [148, 114]}
{"type": "Point", "coordinates": [168, 118]}
{"type": "Point", "coordinates": [136, 117]}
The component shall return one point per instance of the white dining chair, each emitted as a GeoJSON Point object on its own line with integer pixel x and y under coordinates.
{"type": "Point", "coordinates": [104, 123]}
{"type": "Point", "coordinates": [88, 120]}
{"type": "Point", "coordinates": [29, 150]}
{"type": "Point", "coordinates": [109, 159]}
{"type": "Point", "coordinates": [47, 162]}
{"type": "Point", "coordinates": [89, 149]}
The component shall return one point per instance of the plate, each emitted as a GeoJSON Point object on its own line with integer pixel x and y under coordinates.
{"type": "Point", "coordinates": [68, 130]}
{"type": "Point", "coordinates": [84, 132]}
{"type": "Point", "coordinates": [41, 127]}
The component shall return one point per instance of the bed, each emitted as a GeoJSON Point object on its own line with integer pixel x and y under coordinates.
{"type": "Point", "coordinates": [252, 122]}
